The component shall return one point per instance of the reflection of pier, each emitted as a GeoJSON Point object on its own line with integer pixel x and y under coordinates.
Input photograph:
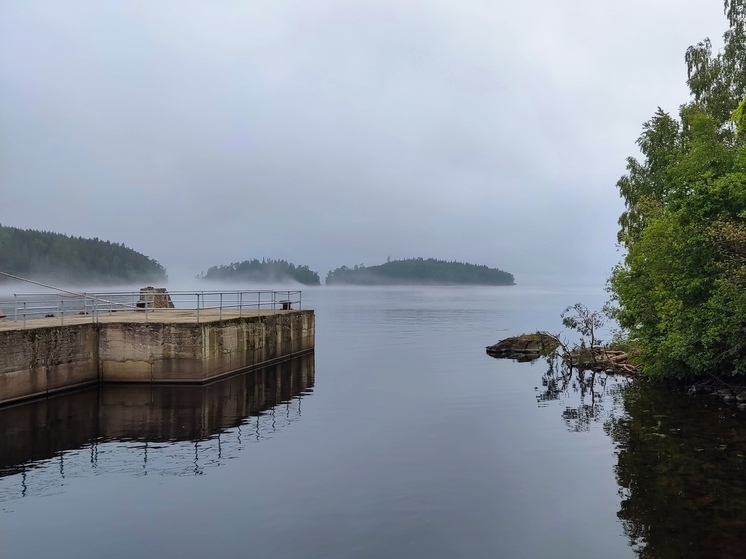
{"type": "Point", "coordinates": [141, 428]}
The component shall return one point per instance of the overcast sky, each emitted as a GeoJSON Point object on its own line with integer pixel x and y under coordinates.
{"type": "Point", "coordinates": [330, 132]}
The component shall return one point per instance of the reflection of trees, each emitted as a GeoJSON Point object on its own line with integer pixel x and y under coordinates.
{"type": "Point", "coordinates": [681, 474]}
{"type": "Point", "coordinates": [681, 461]}
{"type": "Point", "coordinates": [583, 390]}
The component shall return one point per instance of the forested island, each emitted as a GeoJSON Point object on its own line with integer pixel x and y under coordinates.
{"type": "Point", "coordinates": [265, 270]}
{"type": "Point", "coordinates": [420, 271]}
{"type": "Point", "coordinates": [54, 257]}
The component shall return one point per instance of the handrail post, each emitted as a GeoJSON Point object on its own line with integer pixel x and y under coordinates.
{"type": "Point", "coordinates": [62, 312]}
{"type": "Point", "coordinates": [240, 303]}
{"type": "Point", "coordinates": [24, 314]}
{"type": "Point", "coordinates": [220, 312]}
{"type": "Point", "coordinates": [197, 294]}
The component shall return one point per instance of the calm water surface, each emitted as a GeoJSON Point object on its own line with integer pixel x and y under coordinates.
{"type": "Point", "coordinates": [399, 437]}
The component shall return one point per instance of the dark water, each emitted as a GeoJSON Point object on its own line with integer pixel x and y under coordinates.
{"type": "Point", "coordinates": [399, 437]}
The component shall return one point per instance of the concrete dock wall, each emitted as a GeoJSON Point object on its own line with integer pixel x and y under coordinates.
{"type": "Point", "coordinates": [41, 361]}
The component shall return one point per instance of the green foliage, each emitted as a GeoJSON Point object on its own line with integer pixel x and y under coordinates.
{"type": "Point", "coordinates": [718, 81]}
{"type": "Point", "coordinates": [584, 321]}
{"type": "Point", "coordinates": [264, 271]}
{"type": "Point", "coordinates": [420, 271]}
{"type": "Point", "coordinates": [645, 187]}
{"type": "Point", "coordinates": [42, 255]}
{"type": "Point", "coordinates": [739, 118]}
{"type": "Point", "coordinates": [678, 290]}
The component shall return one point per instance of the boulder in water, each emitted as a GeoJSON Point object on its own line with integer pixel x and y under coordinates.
{"type": "Point", "coordinates": [526, 347]}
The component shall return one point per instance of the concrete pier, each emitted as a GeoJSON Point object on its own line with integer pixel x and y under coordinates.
{"type": "Point", "coordinates": [163, 347]}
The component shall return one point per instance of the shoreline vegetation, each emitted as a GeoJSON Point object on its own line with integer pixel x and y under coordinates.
{"type": "Point", "coordinates": [619, 357]}
{"type": "Point", "coordinates": [678, 294]}
{"type": "Point", "coordinates": [530, 347]}
{"type": "Point", "coordinates": [588, 353]}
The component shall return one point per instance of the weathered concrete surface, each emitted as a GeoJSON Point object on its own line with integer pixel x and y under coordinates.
{"type": "Point", "coordinates": [155, 298]}
{"type": "Point", "coordinates": [142, 316]}
{"type": "Point", "coordinates": [45, 360]}
{"type": "Point", "coordinates": [165, 352]}
{"type": "Point", "coordinates": [39, 361]}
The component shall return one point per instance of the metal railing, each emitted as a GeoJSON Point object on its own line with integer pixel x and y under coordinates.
{"type": "Point", "coordinates": [26, 307]}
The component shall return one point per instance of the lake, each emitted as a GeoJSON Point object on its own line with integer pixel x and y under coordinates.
{"type": "Point", "coordinates": [398, 437]}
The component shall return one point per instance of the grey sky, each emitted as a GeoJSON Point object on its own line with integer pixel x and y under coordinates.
{"type": "Point", "coordinates": [332, 132]}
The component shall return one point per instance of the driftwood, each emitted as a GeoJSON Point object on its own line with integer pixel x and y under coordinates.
{"type": "Point", "coordinates": [600, 359]}
{"type": "Point", "coordinates": [529, 347]}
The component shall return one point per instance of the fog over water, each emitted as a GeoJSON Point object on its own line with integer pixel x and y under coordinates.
{"type": "Point", "coordinates": [330, 133]}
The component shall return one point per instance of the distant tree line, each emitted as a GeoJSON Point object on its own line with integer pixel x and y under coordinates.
{"type": "Point", "coordinates": [263, 271]}
{"type": "Point", "coordinates": [42, 255]}
{"type": "Point", "coordinates": [420, 271]}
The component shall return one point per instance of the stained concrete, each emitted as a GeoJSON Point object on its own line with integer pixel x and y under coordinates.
{"type": "Point", "coordinates": [169, 347]}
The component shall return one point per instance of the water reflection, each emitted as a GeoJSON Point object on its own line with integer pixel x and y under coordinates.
{"type": "Point", "coordinates": [680, 466]}
{"type": "Point", "coordinates": [589, 397]}
{"type": "Point", "coordinates": [681, 474]}
{"type": "Point", "coordinates": [146, 429]}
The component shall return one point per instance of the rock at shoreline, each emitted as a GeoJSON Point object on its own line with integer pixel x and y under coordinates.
{"type": "Point", "coordinates": [527, 347]}
{"type": "Point", "coordinates": [733, 391]}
